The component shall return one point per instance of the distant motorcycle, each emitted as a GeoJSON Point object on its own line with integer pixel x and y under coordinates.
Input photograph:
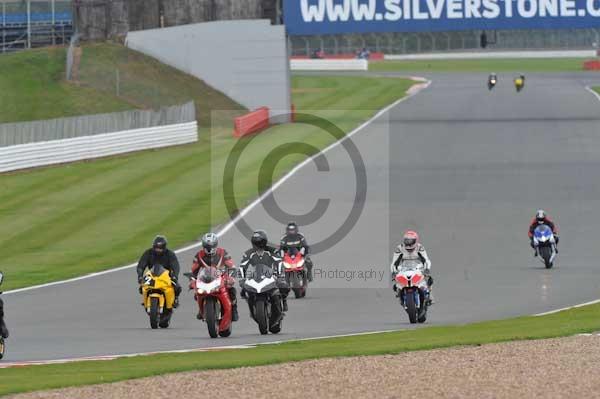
{"type": "Point", "coordinates": [2, 342]}
{"type": "Point", "coordinates": [213, 300]}
{"type": "Point", "coordinates": [158, 296]}
{"type": "Point", "coordinates": [262, 292]}
{"type": "Point", "coordinates": [492, 81]}
{"type": "Point", "coordinates": [413, 291]}
{"type": "Point", "coordinates": [520, 83]}
{"type": "Point", "coordinates": [295, 272]}
{"type": "Point", "coordinates": [545, 245]}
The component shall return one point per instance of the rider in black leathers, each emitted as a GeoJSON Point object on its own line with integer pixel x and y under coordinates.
{"type": "Point", "coordinates": [159, 254]}
{"type": "Point", "coordinates": [296, 240]}
{"type": "Point", "coordinates": [263, 254]}
{"type": "Point", "coordinates": [3, 328]}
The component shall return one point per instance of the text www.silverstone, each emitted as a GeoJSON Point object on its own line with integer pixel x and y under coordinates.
{"type": "Point", "coordinates": [395, 10]}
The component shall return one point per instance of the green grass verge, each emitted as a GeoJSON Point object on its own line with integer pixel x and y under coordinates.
{"type": "Point", "coordinates": [66, 221]}
{"type": "Point", "coordinates": [482, 65]}
{"type": "Point", "coordinates": [586, 319]}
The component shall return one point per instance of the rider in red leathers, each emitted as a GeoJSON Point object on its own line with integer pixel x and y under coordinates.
{"type": "Point", "coordinates": [213, 255]}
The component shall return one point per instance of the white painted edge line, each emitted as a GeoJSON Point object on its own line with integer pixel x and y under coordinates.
{"type": "Point", "coordinates": [204, 349]}
{"type": "Point", "coordinates": [588, 88]}
{"type": "Point", "coordinates": [253, 204]}
{"type": "Point", "coordinates": [568, 308]}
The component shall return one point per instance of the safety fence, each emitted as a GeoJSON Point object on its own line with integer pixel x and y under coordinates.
{"type": "Point", "coordinates": [32, 155]}
{"type": "Point", "coordinates": [329, 65]}
{"type": "Point", "coordinates": [65, 128]}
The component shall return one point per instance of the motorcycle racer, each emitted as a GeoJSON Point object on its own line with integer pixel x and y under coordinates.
{"type": "Point", "coordinates": [541, 217]}
{"type": "Point", "coordinates": [161, 255]}
{"type": "Point", "coordinates": [411, 248]}
{"type": "Point", "coordinates": [294, 239]}
{"type": "Point", "coordinates": [262, 253]}
{"type": "Point", "coordinates": [213, 255]}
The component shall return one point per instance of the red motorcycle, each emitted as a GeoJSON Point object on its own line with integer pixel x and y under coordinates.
{"type": "Point", "coordinates": [295, 272]}
{"type": "Point", "coordinates": [213, 299]}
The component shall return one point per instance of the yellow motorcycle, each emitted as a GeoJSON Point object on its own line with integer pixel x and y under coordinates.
{"type": "Point", "coordinates": [158, 296]}
{"type": "Point", "coordinates": [520, 83]}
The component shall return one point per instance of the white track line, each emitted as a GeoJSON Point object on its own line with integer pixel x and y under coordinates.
{"type": "Point", "coordinates": [205, 349]}
{"type": "Point", "coordinates": [588, 88]}
{"type": "Point", "coordinates": [568, 308]}
{"type": "Point", "coordinates": [252, 205]}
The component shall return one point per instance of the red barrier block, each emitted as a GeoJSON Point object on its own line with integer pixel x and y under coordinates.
{"type": "Point", "coordinates": [251, 123]}
{"type": "Point", "coordinates": [593, 65]}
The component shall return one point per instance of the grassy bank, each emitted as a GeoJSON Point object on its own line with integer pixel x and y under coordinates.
{"type": "Point", "coordinates": [565, 323]}
{"type": "Point", "coordinates": [482, 65]}
{"type": "Point", "coordinates": [66, 221]}
{"type": "Point", "coordinates": [111, 78]}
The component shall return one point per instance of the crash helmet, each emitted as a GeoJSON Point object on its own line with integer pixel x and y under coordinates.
{"type": "Point", "coordinates": [540, 216]}
{"type": "Point", "coordinates": [410, 240]}
{"type": "Point", "coordinates": [210, 242]}
{"type": "Point", "coordinates": [259, 239]}
{"type": "Point", "coordinates": [159, 245]}
{"type": "Point", "coordinates": [292, 228]}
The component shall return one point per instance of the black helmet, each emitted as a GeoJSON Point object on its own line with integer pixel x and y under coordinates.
{"type": "Point", "coordinates": [159, 245]}
{"type": "Point", "coordinates": [259, 239]}
{"type": "Point", "coordinates": [540, 216]}
{"type": "Point", "coordinates": [210, 242]}
{"type": "Point", "coordinates": [292, 228]}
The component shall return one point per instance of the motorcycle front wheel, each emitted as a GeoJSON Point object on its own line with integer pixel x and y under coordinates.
{"type": "Point", "coordinates": [262, 315]}
{"type": "Point", "coordinates": [154, 312]}
{"type": "Point", "coordinates": [411, 308]}
{"type": "Point", "coordinates": [210, 315]}
{"type": "Point", "coordinates": [546, 254]}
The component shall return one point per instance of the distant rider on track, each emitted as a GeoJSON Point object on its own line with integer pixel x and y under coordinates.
{"type": "Point", "coordinates": [159, 254]}
{"type": "Point", "coordinates": [213, 255]}
{"type": "Point", "coordinates": [541, 217]}
{"type": "Point", "coordinates": [296, 240]}
{"type": "Point", "coordinates": [409, 249]}
{"type": "Point", "coordinates": [3, 328]}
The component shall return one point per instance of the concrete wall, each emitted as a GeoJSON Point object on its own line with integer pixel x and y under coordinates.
{"type": "Point", "coordinates": [245, 59]}
{"type": "Point", "coordinates": [102, 19]}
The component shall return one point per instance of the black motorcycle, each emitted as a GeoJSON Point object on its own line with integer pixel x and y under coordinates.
{"type": "Point", "coordinates": [262, 289]}
{"type": "Point", "coordinates": [492, 81]}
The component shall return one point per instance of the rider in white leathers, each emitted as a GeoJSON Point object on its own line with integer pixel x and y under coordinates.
{"type": "Point", "coordinates": [411, 248]}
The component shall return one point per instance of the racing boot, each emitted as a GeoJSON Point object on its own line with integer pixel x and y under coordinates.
{"type": "Point", "coordinates": [309, 267]}
{"type": "Point", "coordinates": [199, 316]}
{"type": "Point", "coordinates": [285, 306]}
{"type": "Point", "coordinates": [234, 313]}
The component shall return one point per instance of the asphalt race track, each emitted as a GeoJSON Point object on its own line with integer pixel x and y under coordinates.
{"type": "Point", "coordinates": [465, 167]}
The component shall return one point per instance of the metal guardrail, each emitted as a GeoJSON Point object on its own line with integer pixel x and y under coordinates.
{"type": "Point", "coordinates": [78, 126]}
{"type": "Point", "coordinates": [33, 155]}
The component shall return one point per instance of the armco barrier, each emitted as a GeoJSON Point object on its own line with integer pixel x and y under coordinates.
{"type": "Point", "coordinates": [24, 156]}
{"type": "Point", "coordinates": [251, 123]}
{"type": "Point", "coordinates": [329, 65]}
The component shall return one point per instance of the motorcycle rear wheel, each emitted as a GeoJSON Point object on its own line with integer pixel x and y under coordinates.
{"type": "Point", "coordinates": [2, 347]}
{"type": "Point", "coordinates": [262, 316]}
{"type": "Point", "coordinates": [154, 313]}
{"type": "Point", "coordinates": [210, 315]}
{"type": "Point", "coordinates": [411, 308]}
